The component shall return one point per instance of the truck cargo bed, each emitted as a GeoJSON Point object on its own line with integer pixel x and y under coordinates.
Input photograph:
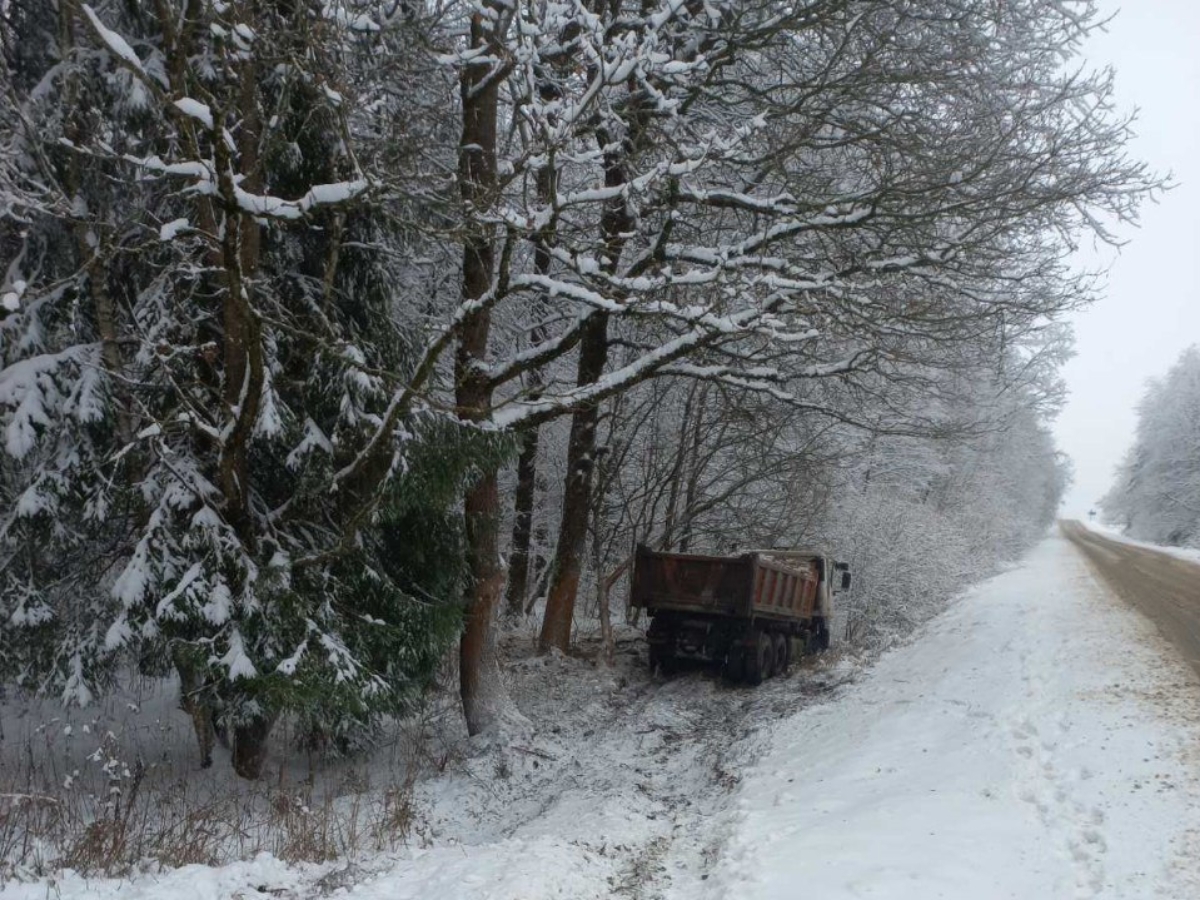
{"type": "Point", "coordinates": [744, 586]}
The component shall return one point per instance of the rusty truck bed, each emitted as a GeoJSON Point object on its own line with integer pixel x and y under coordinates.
{"type": "Point", "coordinates": [748, 586]}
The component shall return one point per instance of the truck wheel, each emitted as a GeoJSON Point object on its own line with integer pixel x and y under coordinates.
{"type": "Point", "coordinates": [735, 663]}
{"type": "Point", "coordinates": [821, 638]}
{"type": "Point", "coordinates": [761, 659]}
{"type": "Point", "coordinates": [661, 662]}
{"type": "Point", "coordinates": [769, 642]}
{"type": "Point", "coordinates": [783, 654]}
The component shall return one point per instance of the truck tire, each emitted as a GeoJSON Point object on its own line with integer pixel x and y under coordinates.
{"type": "Point", "coordinates": [735, 662]}
{"type": "Point", "coordinates": [769, 642]}
{"type": "Point", "coordinates": [760, 660]}
{"type": "Point", "coordinates": [821, 638]}
{"type": "Point", "coordinates": [662, 662]}
{"type": "Point", "coordinates": [783, 654]}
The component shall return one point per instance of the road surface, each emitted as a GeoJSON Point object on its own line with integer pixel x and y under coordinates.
{"type": "Point", "coordinates": [1164, 588]}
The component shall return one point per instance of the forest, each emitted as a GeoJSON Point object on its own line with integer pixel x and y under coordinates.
{"type": "Point", "coordinates": [1156, 494]}
{"type": "Point", "coordinates": [341, 340]}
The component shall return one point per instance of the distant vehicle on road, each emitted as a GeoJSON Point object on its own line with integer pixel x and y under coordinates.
{"type": "Point", "coordinates": [752, 613]}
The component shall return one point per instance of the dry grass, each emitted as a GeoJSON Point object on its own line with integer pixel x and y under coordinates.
{"type": "Point", "coordinates": [117, 816]}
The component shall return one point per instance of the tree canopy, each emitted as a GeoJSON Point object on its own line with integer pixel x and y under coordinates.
{"type": "Point", "coordinates": [287, 285]}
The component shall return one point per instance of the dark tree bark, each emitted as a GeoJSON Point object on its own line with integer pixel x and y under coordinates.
{"type": "Point", "coordinates": [93, 261]}
{"type": "Point", "coordinates": [480, 684]}
{"type": "Point", "coordinates": [522, 530]}
{"type": "Point", "coordinates": [615, 223]}
{"type": "Point", "coordinates": [250, 745]}
{"type": "Point", "coordinates": [192, 702]}
{"type": "Point", "coordinates": [695, 470]}
{"type": "Point", "coordinates": [241, 245]}
{"type": "Point", "coordinates": [572, 532]}
{"type": "Point", "coordinates": [244, 370]}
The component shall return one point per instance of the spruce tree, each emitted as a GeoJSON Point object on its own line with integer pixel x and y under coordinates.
{"type": "Point", "coordinates": [204, 327]}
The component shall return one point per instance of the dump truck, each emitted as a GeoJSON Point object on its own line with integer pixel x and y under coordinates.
{"type": "Point", "coordinates": [751, 613]}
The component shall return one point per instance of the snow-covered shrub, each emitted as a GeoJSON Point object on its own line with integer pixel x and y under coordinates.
{"type": "Point", "coordinates": [920, 521]}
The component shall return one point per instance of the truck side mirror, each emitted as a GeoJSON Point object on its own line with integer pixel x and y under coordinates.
{"type": "Point", "coordinates": [846, 580]}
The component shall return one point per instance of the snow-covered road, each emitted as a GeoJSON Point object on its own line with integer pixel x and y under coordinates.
{"type": "Point", "coordinates": [1039, 740]}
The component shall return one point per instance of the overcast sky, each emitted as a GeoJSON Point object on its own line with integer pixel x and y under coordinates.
{"type": "Point", "coordinates": [1151, 310]}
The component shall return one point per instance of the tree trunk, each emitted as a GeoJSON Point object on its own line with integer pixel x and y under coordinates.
{"type": "Point", "coordinates": [608, 647]}
{"type": "Point", "coordinates": [541, 575]}
{"type": "Point", "coordinates": [241, 246]}
{"type": "Point", "coordinates": [615, 224]}
{"type": "Point", "coordinates": [576, 508]}
{"type": "Point", "coordinates": [250, 745]}
{"type": "Point", "coordinates": [675, 478]}
{"type": "Point", "coordinates": [480, 683]}
{"type": "Point", "coordinates": [192, 702]}
{"type": "Point", "coordinates": [522, 531]}
{"type": "Point", "coordinates": [484, 698]}
{"type": "Point", "coordinates": [695, 469]}
{"type": "Point", "coordinates": [93, 260]}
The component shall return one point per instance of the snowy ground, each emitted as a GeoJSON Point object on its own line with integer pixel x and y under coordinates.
{"type": "Point", "coordinates": [614, 794]}
{"type": "Point", "coordinates": [1037, 740]}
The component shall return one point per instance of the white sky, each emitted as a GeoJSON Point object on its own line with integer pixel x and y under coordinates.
{"type": "Point", "coordinates": [1151, 310]}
